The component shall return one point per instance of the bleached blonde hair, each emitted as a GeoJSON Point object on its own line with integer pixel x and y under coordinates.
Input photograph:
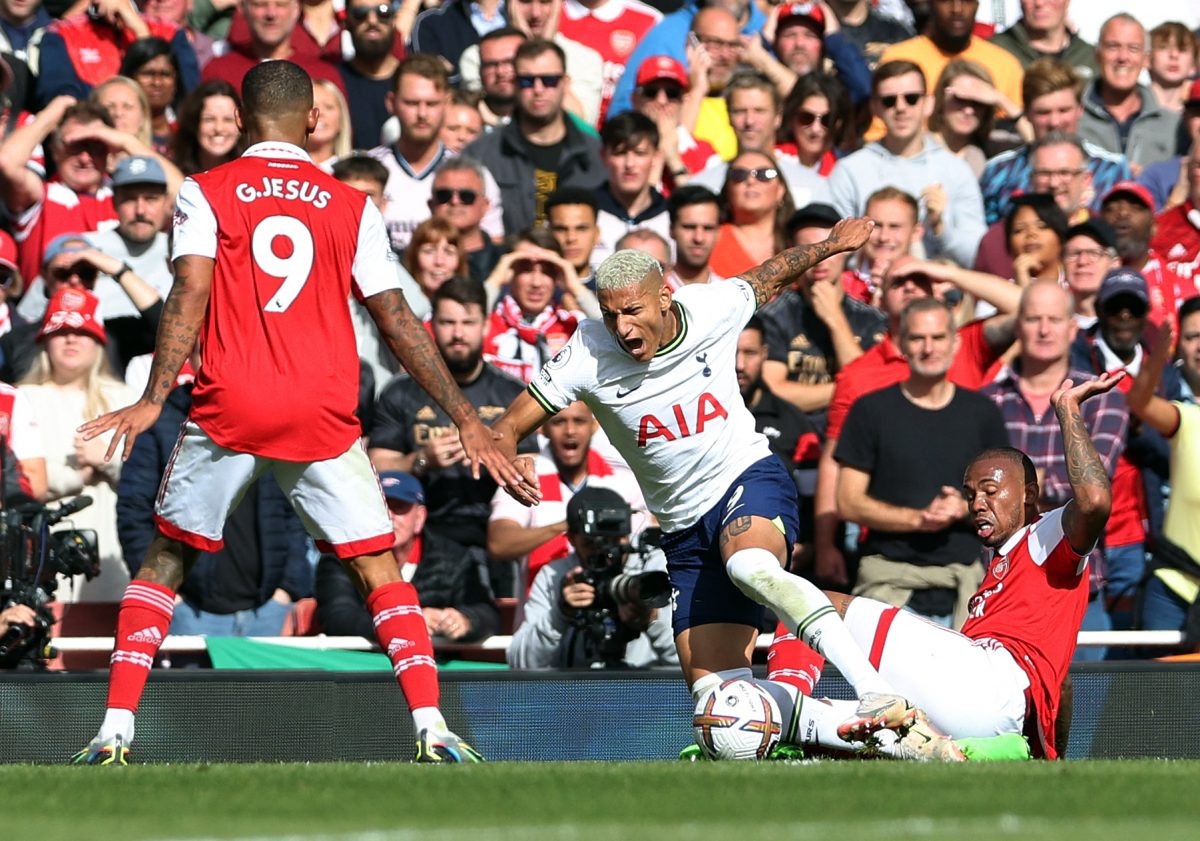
{"type": "Point", "coordinates": [625, 268]}
{"type": "Point", "coordinates": [98, 376]}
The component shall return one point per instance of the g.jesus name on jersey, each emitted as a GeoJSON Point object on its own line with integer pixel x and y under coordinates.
{"type": "Point", "coordinates": [678, 420]}
{"type": "Point", "coordinates": [290, 243]}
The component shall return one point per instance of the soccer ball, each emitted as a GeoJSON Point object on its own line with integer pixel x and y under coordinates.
{"type": "Point", "coordinates": [737, 719]}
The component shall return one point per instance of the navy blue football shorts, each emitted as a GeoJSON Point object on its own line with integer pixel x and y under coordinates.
{"type": "Point", "coordinates": [702, 592]}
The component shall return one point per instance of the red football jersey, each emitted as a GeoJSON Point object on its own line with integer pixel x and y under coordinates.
{"type": "Point", "coordinates": [279, 371]}
{"type": "Point", "coordinates": [1032, 602]}
{"type": "Point", "coordinates": [1178, 240]}
{"type": "Point", "coordinates": [612, 29]}
{"type": "Point", "coordinates": [61, 211]}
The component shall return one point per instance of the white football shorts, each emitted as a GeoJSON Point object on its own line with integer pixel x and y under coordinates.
{"type": "Point", "coordinates": [338, 500]}
{"type": "Point", "coordinates": [968, 687]}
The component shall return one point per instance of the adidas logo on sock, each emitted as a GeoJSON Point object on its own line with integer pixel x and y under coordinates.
{"type": "Point", "coordinates": [150, 635]}
{"type": "Point", "coordinates": [398, 644]}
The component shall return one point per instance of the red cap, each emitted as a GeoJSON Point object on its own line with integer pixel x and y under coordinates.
{"type": "Point", "coordinates": [75, 310]}
{"type": "Point", "coordinates": [1131, 188]}
{"type": "Point", "coordinates": [8, 251]}
{"type": "Point", "coordinates": [809, 13]}
{"type": "Point", "coordinates": [659, 67]}
{"type": "Point", "coordinates": [1193, 97]}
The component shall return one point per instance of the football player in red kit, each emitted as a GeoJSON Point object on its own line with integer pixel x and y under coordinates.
{"type": "Point", "coordinates": [267, 249]}
{"type": "Point", "coordinates": [1003, 674]}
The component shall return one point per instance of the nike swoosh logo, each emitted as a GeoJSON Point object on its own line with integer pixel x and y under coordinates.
{"type": "Point", "coordinates": [625, 392]}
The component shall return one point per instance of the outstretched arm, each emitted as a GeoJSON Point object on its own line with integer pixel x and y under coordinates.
{"type": "Point", "coordinates": [182, 315]}
{"type": "Point", "coordinates": [786, 267]}
{"type": "Point", "coordinates": [410, 342]}
{"type": "Point", "coordinates": [1143, 402]}
{"type": "Point", "coordinates": [523, 417]}
{"type": "Point", "coordinates": [1087, 513]}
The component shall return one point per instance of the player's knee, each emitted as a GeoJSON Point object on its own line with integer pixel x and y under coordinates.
{"type": "Point", "coordinates": [756, 572]}
{"type": "Point", "coordinates": [840, 601]}
{"type": "Point", "coordinates": [708, 681]}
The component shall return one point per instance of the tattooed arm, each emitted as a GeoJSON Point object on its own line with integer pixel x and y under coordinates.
{"type": "Point", "coordinates": [408, 339]}
{"type": "Point", "coordinates": [786, 267]}
{"type": "Point", "coordinates": [182, 315]}
{"type": "Point", "coordinates": [1087, 513]}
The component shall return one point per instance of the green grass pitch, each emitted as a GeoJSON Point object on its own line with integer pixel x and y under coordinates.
{"type": "Point", "coordinates": [839, 801]}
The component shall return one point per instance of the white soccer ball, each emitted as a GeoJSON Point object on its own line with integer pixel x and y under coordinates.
{"type": "Point", "coordinates": [737, 719]}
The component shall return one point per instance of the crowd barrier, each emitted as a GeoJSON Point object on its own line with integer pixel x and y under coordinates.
{"type": "Point", "coordinates": [1121, 710]}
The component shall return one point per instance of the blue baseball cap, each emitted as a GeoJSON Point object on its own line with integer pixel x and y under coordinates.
{"type": "Point", "coordinates": [139, 169]}
{"type": "Point", "coordinates": [1123, 281]}
{"type": "Point", "coordinates": [402, 487]}
{"type": "Point", "coordinates": [64, 244]}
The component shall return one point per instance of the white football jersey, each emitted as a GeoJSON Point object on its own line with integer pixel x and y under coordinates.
{"type": "Point", "coordinates": [679, 420]}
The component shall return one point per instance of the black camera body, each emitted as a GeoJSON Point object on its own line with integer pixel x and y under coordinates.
{"type": "Point", "coordinates": [606, 530]}
{"type": "Point", "coordinates": [31, 558]}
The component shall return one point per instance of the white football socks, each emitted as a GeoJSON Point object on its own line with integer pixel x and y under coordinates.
{"type": "Point", "coordinates": [117, 723]}
{"type": "Point", "coordinates": [802, 606]}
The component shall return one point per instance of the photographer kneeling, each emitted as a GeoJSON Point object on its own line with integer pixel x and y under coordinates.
{"type": "Point", "coordinates": [605, 604]}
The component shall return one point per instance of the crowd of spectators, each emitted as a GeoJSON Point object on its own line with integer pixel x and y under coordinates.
{"type": "Point", "coordinates": [1032, 167]}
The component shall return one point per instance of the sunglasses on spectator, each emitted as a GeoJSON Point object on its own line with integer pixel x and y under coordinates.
{"type": "Point", "coordinates": [807, 118]}
{"type": "Point", "coordinates": [891, 99]}
{"type": "Point", "coordinates": [445, 195]}
{"type": "Point", "coordinates": [86, 273]}
{"type": "Point", "coordinates": [674, 93]}
{"type": "Point", "coordinates": [528, 265]}
{"type": "Point", "coordinates": [384, 11]}
{"type": "Point", "coordinates": [8, 279]}
{"type": "Point", "coordinates": [739, 175]}
{"type": "Point", "coordinates": [548, 80]}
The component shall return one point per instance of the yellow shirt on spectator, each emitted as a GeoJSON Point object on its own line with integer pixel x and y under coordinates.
{"type": "Point", "coordinates": [1007, 73]}
{"type": "Point", "coordinates": [712, 124]}
{"type": "Point", "coordinates": [1182, 523]}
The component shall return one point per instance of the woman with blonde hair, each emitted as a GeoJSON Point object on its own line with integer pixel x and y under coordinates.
{"type": "Point", "coordinates": [126, 102]}
{"type": "Point", "coordinates": [330, 140]}
{"type": "Point", "coordinates": [965, 103]}
{"type": "Point", "coordinates": [71, 382]}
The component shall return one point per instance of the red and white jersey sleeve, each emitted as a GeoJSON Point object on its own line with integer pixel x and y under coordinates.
{"type": "Point", "coordinates": [1032, 601]}
{"type": "Point", "coordinates": [279, 372]}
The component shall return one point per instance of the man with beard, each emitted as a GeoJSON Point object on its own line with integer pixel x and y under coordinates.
{"type": "Point", "coordinates": [1129, 208]}
{"type": "Point", "coordinates": [498, 74]}
{"type": "Point", "coordinates": [902, 452]}
{"type": "Point", "coordinates": [1116, 343]}
{"type": "Point", "coordinates": [534, 536]}
{"type": "Point", "coordinates": [368, 76]}
{"type": "Point", "coordinates": [411, 433]}
{"type": "Point", "coordinates": [540, 150]}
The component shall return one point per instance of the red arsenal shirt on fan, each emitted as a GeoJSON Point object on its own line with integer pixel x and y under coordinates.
{"type": "Point", "coordinates": [279, 372]}
{"type": "Point", "coordinates": [612, 28]}
{"type": "Point", "coordinates": [1032, 602]}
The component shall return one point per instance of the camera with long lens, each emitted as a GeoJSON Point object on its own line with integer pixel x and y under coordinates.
{"type": "Point", "coordinates": [31, 558]}
{"type": "Point", "coordinates": [604, 520]}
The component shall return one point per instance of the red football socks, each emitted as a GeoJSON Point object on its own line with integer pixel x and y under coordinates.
{"type": "Point", "coordinates": [792, 661]}
{"type": "Point", "coordinates": [142, 624]}
{"type": "Point", "coordinates": [400, 629]}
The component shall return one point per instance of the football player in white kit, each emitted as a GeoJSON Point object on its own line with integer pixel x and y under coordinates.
{"type": "Point", "coordinates": [659, 376]}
